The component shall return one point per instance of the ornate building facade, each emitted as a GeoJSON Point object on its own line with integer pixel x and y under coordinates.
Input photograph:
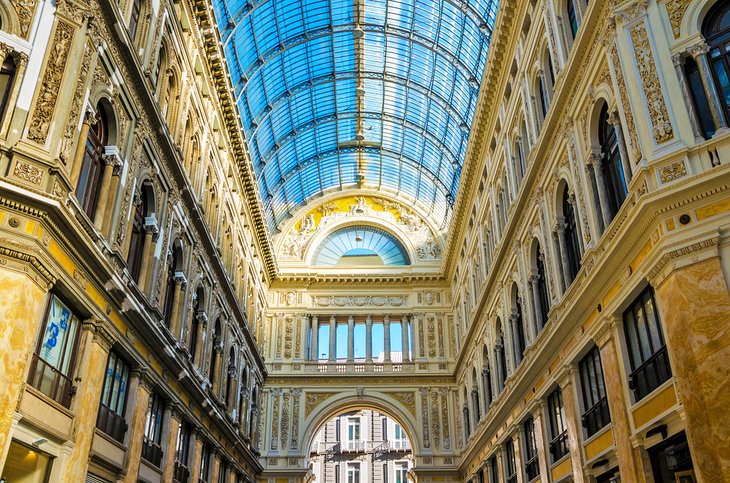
{"type": "Point", "coordinates": [503, 226]}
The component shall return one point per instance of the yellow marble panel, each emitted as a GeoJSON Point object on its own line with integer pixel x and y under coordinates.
{"type": "Point", "coordinates": [610, 294]}
{"type": "Point", "coordinates": [654, 405]}
{"type": "Point", "coordinates": [713, 209]}
{"type": "Point", "coordinates": [561, 469]}
{"type": "Point", "coordinates": [60, 256]}
{"type": "Point", "coordinates": [30, 227]}
{"type": "Point", "coordinates": [670, 224]}
{"type": "Point", "coordinates": [641, 255]}
{"type": "Point", "coordinates": [590, 320]}
{"type": "Point", "coordinates": [599, 444]}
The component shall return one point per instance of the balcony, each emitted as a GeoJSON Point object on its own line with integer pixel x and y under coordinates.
{"type": "Point", "coordinates": [152, 452]}
{"type": "Point", "coordinates": [340, 447]}
{"type": "Point", "coordinates": [48, 380]}
{"type": "Point", "coordinates": [111, 423]}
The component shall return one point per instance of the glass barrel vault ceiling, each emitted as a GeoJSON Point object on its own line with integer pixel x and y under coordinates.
{"type": "Point", "coordinates": [356, 93]}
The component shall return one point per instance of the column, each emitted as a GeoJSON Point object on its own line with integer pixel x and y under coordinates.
{"type": "Point", "coordinates": [678, 62]}
{"type": "Point", "coordinates": [629, 461]}
{"type": "Point", "coordinates": [333, 338]}
{"type": "Point", "coordinates": [200, 342]}
{"type": "Point", "coordinates": [172, 426]}
{"type": "Point", "coordinates": [142, 386]}
{"type": "Point", "coordinates": [178, 287]}
{"type": "Point", "coordinates": [514, 321]}
{"type": "Point", "coordinates": [404, 339]}
{"type": "Point", "coordinates": [517, 438]}
{"type": "Point", "coordinates": [414, 336]}
{"type": "Point", "coordinates": [113, 190]}
{"type": "Point", "coordinates": [106, 179]}
{"type": "Point", "coordinates": [313, 355]}
{"type": "Point", "coordinates": [541, 443]}
{"type": "Point", "coordinates": [307, 340]}
{"type": "Point", "coordinates": [615, 121]}
{"type": "Point", "coordinates": [22, 306]}
{"type": "Point", "coordinates": [534, 280]}
{"type": "Point", "coordinates": [369, 339]}
{"type": "Point", "coordinates": [564, 263]}
{"type": "Point", "coordinates": [216, 375]}
{"type": "Point", "coordinates": [694, 303]}
{"type": "Point", "coordinates": [572, 421]}
{"type": "Point", "coordinates": [350, 339]}
{"type": "Point", "coordinates": [150, 230]}
{"type": "Point", "coordinates": [386, 336]}
{"type": "Point", "coordinates": [78, 161]}
{"type": "Point", "coordinates": [94, 347]}
{"type": "Point", "coordinates": [197, 455]}
{"type": "Point", "coordinates": [597, 162]}
{"type": "Point", "coordinates": [699, 54]}
{"type": "Point", "coordinates": [216, 465]}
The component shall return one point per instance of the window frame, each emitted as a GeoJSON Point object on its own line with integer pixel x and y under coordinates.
{"type": "Point", "coordinates": [532, 463]}
{"type": "Point", "coordinates": [558, 427]}
{"type": "Point", "coordinates": [596, 414]}
{"type": "Point", "coordinates": [154, 421]}
{"type": "Point", "coordinates": [111, 417]}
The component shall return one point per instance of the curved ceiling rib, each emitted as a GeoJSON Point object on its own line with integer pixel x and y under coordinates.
{"type": "Point", "coordinates": [338, 94]}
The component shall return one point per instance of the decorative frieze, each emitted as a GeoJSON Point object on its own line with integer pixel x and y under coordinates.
{"type": "Point", "coordinates": [407, 399]}
{"type": "Point", "coordinates": [51, 84]}
{"type": "Point", "coordinates": [285, 418]}
{"type": "Point", "coordinates": [296, 393]}
{"type": "Point", "coordinates": [651, 85]}
{"type": "Point", "coordinates": [275, 420]}
{"type": "Point", "coordinates": [672, 172]}
{"type": "Point", "coordinates": [676, 10]}
{"type": "Point", "coordinates": [359, 300]}
{"type": "Point", "coordinates": [435, 414]}
{"type": "Point", "coordinates": [315, 399]}
{"type": "Point", "coordinates": [425, 418]}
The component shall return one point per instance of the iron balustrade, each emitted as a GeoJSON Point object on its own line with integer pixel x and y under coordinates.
{"type": "Point", "coordinates": [111, 423]}
{"type": "Point", "coordinates": [559, 446]}
{"type": "Point", "coordinates": [532, 468]}
{"type": "Point", "coordinates": [181, 473]}
{"type": "Point", "coordinates": [51, 382]}
{"type": "Point", "coordinates": [651, 374]}
{"type": "Point", "coordinates": [596, 417]}
{"type": "Point", "coordinates": [152, 452]}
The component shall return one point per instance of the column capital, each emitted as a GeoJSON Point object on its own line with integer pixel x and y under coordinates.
{"type": "Point", "coordinates": [699, 49]}
{"type": "Point", "coordinates": [614, 119]}
{"type": "Point", "coordinates": [102, 335]}
{"type": "Point", "coordinates": [145, 377]}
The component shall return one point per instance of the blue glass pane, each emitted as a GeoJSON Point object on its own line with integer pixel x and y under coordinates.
{"type": "Point", "coordinates": [317, 100]}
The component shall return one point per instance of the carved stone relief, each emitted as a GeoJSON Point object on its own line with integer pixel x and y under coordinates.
{"type": "Point", "coordinates": [315, 399]}
{"type": "Point", "coordinates": [407, 399]}
{"type": "Point", "coordinates": [359, 300]}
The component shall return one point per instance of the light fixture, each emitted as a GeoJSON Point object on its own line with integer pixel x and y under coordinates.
{"type": "Point", "coordinates": [358, 236]}
{"type": "Point", "coordinates": [39, 442]}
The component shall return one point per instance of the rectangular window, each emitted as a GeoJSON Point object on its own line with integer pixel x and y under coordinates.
{"type": "Point", "coordinates": [400, 440]}
{"type": "Point", "coordinates": [337, 473]}
{"type": "Point", "coordinates": [353, 433]}
{"type": "Point", "coordinates": [353, 473]}
{"type": "Point", "coordinates": [385, 472]}
{"type": "Point", "coordinates": [558, 429]}
{"type": "Point", "coordinates": [595, 403]}
{"type": "Point", "coordinates": [401, 469]}
{"type": "Point", "coordinates": [510, 467]}
{"type": "Point", "coordinates": [493, 471]}
{"type": "Point", "coordinates": [205, 464]}
{"type": "Point", "coordinates": [182, 450]}
{"type": "Point", "coordinates": [152, 443]}
{"type": "Point", "coordinates": [114, 398]}
{"type": "Point", "coordinates": [55, 354]}
{"type": "Point", "coordinates": [645, 340]}
{"type": "Point", "coordinates": [532, 465]}
{"type": "Point", "coordinates": [24, 463]}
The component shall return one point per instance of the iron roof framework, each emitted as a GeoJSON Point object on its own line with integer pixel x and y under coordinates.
{"type": "Point", "coordinates": [356, 93]}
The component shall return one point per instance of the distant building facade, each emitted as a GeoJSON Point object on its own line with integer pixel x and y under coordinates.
{"type": "Point", "coordinates": [361, 447]}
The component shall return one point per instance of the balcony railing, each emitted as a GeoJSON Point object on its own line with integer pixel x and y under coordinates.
{"type": "Point", "coordinates": [152, 452]}
{"type": "Point", "coordinates": [321, 447]}
{"type": "Point", "coordinates": [532, 468]}
{"type": "Point", "coordinates": [651, 374]}
{"type": "Point", "coordinates": [181, 473]}
{"type": "Point", "coordinates": [111, 423]}
{"type": "Point", "coordinates": [559, 446]}
{"type": "Point", "coordinates": [596, 417]}
{"type": "Point", "coordinates": [358, 367]}
{"type": "Point", "coordinates": [48, 380]}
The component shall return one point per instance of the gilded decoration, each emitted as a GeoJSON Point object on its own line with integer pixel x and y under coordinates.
{"type": "Point", "coordinates": [288, 337]}
{"type": "Point", "coordinates": [431, 328]}
{"type": "Point", "coordinates": [628, 115]}
{"type": "Point", "coordinates": [445, 416]}
{"type": "Point", "coordinates": [407, 399]}
{"type": "Point", "coordinates": [435, 413]}
{"type": "Point", "coordinates": [359, 300]}
{"type": "Point", "coordinates": [676, 10]}
{"type": "Point", "coordinates": [70, 131]}
{"type": "Point", "coordinates": [651, 85]}
{"type": "Point", "coordinates": [293, 244]}
{"type": "Point", "coordinates": [275, 421]}
{"type": "Point", "coordinates": [315, 399]}
{"type": "Point", "coordinates": [50, 86]}
{"type": "Point", "coordinates": [25, 10]}
{"type": "Point", "coordinates": [285, 419]}
{"type": "Point", "coordinates": [295, 419]}
{"type": "Point", "coordinates": [28, 172]}
{"type": "Point", "coordinates": [672, 172]}
{"type": "Point", "coordinates": [424, 418]}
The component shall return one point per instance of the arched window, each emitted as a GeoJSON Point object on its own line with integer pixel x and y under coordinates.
{"type": "Point", "coordinates": [572, 247]}
{"type": "Point", "coordinates": [467, 422]}
{"type": "Point", "coordinates": [87, 189]}
{"type": "Point", "coordinates": [173, 266]}
{"type": "Point", "coordinates": [134, 19]}
{"type": "Point", "coordinates": [543, 305]}
{"type": "Point", "coordinates": [699, 98]}
{"type": "Point", "coordinates": [243, 396]}
{"type": "Point", "coordinates": [520, 164]}
{"type": "Point", "coordinates": [613, 174]}
{"type": "Point", "coordinates": [216, 347]}
{"type": "Point", "coordinates": [253, 414]}
{"type": "Point", "coordinates": [7, 77]}
{"type": "Point", "coordinates": [716, 30]}
{"type": "Point", "coordinates": [572, 18]}
{"type": "Point", "coordinates": [160, 64]}
{"type": "Point", "coordinates": [550, 69]}
{"type": "Point", "coordinates": [142, 203]}
{"type": "Point", "coordinates": [518, 328]}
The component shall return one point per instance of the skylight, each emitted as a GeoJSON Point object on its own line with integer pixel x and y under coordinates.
{"type": "Point", "coordinates": [336, 94]}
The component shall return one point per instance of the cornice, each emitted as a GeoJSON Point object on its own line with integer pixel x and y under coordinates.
{"type": "Point", "coordinates": [215, 59]}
